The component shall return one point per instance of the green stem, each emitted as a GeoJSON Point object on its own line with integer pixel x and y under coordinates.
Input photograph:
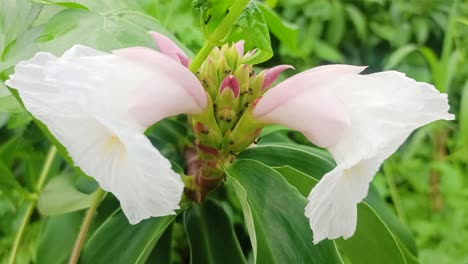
{"type": "Point", "coordinates": [219, 34]}
{"type": "Point", "coordinates": [447, 48]}
{"type": "Point", "coordinates": [30, 209]}
{"type": "Point", "coordinates": [448, 38]}
{"type": "Point", "coordinates": [388, 169]}
{"type": "Point", "coordinates": [85, 226]}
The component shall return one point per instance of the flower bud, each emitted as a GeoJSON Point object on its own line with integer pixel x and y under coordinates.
{"type": "Point", "coordinates": [230, 83]}
{"type": "Point", "coordinates": [243, 74]}
{"type": "Point", "coordinates": [209, 77]}
{"type": "Point", "coordinates": [235, 54]}
{"type": "Point", "coordinates": [227, 103]}
{"type": "Point", "coordinates": [223, 68]}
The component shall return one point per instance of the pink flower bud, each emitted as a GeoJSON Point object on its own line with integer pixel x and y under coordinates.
{"type": "Point", "coordinates": [230, 82]}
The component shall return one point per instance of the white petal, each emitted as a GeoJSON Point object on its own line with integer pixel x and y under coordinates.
{"type": "Point", "coordinates": [384, 108]}
{"type": "Point", "coordinates": [93, 103]}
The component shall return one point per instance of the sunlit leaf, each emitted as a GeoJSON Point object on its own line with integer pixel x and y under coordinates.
{"type": "Point", "coordinates": [251, 26]}
{"type": "Point", "coordinates": [16, 16]}
{"type": "Point", "coordinates": [274, 215]}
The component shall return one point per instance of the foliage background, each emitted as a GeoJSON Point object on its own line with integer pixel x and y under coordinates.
{"type": "Point", "coordinates": [425, 182]}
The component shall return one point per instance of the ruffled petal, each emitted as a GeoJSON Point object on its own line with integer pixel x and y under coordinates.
{"type": "Point", "coordinates": [384, 108]}
{"type": "Point", "coordinates": [98, 106]}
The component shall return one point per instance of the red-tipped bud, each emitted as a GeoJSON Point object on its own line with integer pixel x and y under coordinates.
{"type": "Point", "coordinates": [230, 82]}
{"type": "Point", "coordinates": [200, 128]}
{"type": "Point", "coordinates": [272, 74]}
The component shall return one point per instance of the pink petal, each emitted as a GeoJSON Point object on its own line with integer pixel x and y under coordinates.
{"type": "Point", "coordinates": [173, 90]}
{"type": "Point", "coordinates": [272, 74]}
{"type": "Point", "coordinates": [170, 48]}
{"type": "Point", "coordinates": [318, 115]}
{"type": "Point", "coordinates": [303, 102]}
{"type": "Point", "coordinates": [308, 80]}
{"type": "Point", "coordinates": [230, 82]}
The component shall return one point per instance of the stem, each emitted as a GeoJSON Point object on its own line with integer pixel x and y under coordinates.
{"type": "Point", "coordinates": [45, 170]}
{"type": "Point", "coordinates": [448, 38]}
{"type": "Point", "coordinates": [85, 226]}
{"type": "Point", "coordinates": [220, 33]}
{"type": "Point", "coordinates": [438, 153]}
{"type": "Point", "coordinates": [37, 189]}
{"type": "Point", "coordinates": [18, 237]}
{"type": "Point", "coordinates": [447, 48]}
{"type": "Point", "coordinates": [394, 191]}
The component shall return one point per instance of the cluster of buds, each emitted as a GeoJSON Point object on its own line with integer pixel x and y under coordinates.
{"type": "Point", "coordinates": [227, 127]}
{"type": "Point", "coordinates": [233, 88]}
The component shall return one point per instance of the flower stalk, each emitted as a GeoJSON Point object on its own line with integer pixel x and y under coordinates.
{"type": "Point", "coordinates": [30, 209]}
{"type": "Point", "coordinates": [85, 226]}
{"type": "Point", "coordinates": [219, 34]}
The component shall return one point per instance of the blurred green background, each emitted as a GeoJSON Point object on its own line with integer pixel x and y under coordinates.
{"type": "Point", "coordinates": [425, 182]}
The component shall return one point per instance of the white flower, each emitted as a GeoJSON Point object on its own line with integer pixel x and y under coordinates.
{"type": "Point", "coordinates": [361, 120]}
{"type": "Point", "coordinates": [99, 104]}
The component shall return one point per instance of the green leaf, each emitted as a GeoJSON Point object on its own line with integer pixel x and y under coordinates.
{"type": "Point", "coordinates": [313, 164]}
{"type": "Point", "coordinates": [296, 156]}
{"type": "Point", "coordinates": [283, 30]}
{"type": "Point", "coordinates": [371, 243]}
{"type": "Point", "coordinates": [24, 48]}
{"type": "Point", "coordinates": [211, 235]}
{"type": "Point", "coordinates": [8, 103]}
{"type": "Point", "coordinates": [327, 52]}
{"type": "Point", "coordinates": [268, 130]}
{"type": "Point", "coordinates": [116, 241]}
{"type": "Point", "coordinates": [169, 136]}
{"type": "Point", "coordinates": [358, 20]}
{"type": "Point", "coordinates": [105, 32]}
{"type": "Point", "coordinates": [251, 26]}
{"type": "Point", "coordinates": [7, 179]}
{"type": "Point", "coordinates": [61, 196]}
{"type": "Point", "coordinates": [399, 55]}
{"type": "Point", "coordinates": [274, 215]}
{"type": "Point", "coordinates": [57, 237]}
{"type": "Point", "coordinates": [162, 252]}
{"type": "Point", "coordinates": [70, 5]}
{"type": "Point", "coordinates": [16, 16]}
{"type": "Point", "coordinates": [337, 24]}
{"type": "Point", "coordinates": [464, 116]}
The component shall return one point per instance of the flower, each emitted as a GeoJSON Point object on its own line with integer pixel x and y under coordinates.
{"type": "Point", "coordinates": [361, 120]}
{"type": "Point", "coordinates": [98, 106]}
